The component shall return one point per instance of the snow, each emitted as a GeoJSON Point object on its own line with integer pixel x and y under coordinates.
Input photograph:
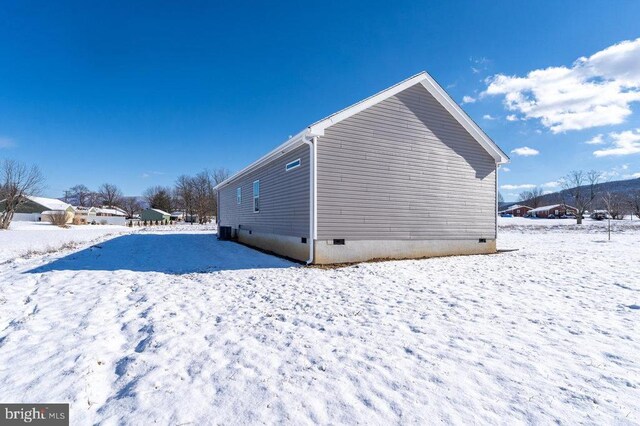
{"type": "Point", "coordinates": [50, 203]}
{"type": "Point", "coordinates": [162, 212]}
{"type": "Point", "coordinates": [110, 211]}
{"type": "Point", "coordinates": [549, 207]}
{"type": "Point", "coordinates": [170, 325]}
{"type": "Point", "coordinates": [31, 238]}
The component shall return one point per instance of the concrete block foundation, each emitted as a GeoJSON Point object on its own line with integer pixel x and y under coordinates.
{"type": "Point", "coordinates": [326, 252]}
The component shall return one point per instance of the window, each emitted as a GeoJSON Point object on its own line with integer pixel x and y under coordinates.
{"type": "Point", "coordinates": [256, 196]}
{"type": "Point", "coordinates": [292, 165]}
{"type": "Point", "coordinates": [239, 196]}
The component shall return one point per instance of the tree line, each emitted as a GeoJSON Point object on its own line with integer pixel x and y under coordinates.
{"type": "Point", "coordinates": [192, 195]}
{"type": "Point", "coordinates": [582, 190]}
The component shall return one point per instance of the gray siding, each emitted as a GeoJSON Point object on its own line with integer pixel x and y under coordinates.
{"type": "Point", "coordinates": [404, 169]}
{"type": "Point", "coordinates": [284, 198]}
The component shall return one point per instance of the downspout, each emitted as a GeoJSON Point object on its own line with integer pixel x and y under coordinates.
{"type": "Point", "coordinates": [497, 191]}
{"type": "Point", "coordinates": [312, 194]}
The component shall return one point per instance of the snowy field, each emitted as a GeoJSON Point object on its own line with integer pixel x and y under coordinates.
{"type": "Point", "coordinates": [27, 239]}
{"type": "Point", "coordinates": [174, 327]}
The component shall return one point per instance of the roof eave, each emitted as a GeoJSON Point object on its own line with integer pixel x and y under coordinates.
{"type": "Point", "coordinates": [318, 128]}
{"type": "Point", "coordinates": [463, 118]}
{"type": "Point", "coordinates": [279, 151]}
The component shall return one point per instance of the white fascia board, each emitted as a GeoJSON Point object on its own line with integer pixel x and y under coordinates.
{"type": "Point", "coordinates": [317, 128]}
{"type": "Point", "coordinates": [469, 125]}
{"type": "Point", "coordinates": [287, 146]}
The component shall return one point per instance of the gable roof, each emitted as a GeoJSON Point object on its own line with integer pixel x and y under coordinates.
{"type": "Point", "coordinates": [318, 128]}
{"type": "Point", "coordinates": [513, 207]}
{"type": "Point", "coordinates": [162, 212]}
{"type": "Point", "coordinates": [549, 207]}
{"type": "Point", "coordinates": [49, 203]}
{"type": "Point", "coordinates": [111, 211]}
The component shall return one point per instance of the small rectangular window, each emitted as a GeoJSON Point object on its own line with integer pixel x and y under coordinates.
{"type": "Point", "coordinates": [292, 165]}
{"type": "Point", "coordinates": [239, 196]}
{"type": "Point", "coordinates": [256, 196]}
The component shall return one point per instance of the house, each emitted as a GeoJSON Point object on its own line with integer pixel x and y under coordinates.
{"type": "Point", "coordinates": [516, 210]}
{"type": "Point", "coordinates": [38, 209]}
{"type": "Point", "coordinates": [378, 179]}
{"type": "Point", "coordinates": [84, 215]}
{"type": "Point", "coordinates": [553, 210]}
{"type": "Point", "coordinates": [155, 215]}
{"type": "Point", "coordinates": [111, 216]}
{"type": "Point", "coordinates": [177, 216]}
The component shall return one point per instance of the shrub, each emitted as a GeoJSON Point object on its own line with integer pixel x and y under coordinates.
{"type": "Point", "coordinates": [58, 218]}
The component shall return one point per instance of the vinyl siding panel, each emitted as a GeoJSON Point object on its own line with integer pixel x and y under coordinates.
{"type": "Point", "coordinates": [284, 198]}
{"type": "Point", "coordinates": [404, 169]}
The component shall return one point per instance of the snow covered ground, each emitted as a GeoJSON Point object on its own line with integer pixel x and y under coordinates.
{"type": "Point", "coordinates": [25, 239]}
{"type": "Point", "coordinates": [172, 326]}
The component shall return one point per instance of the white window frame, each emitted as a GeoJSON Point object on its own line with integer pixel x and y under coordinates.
{"type": "Point", "coordinates": [293, 165]}
{"type": "Point", "coordinates": [256, 196]}
{"type": "Point", "coordinates": [239, 195]}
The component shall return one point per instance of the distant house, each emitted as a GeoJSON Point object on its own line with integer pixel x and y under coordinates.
{"type": "Point", "coordinates": [111, 216]}
{"type": "Point", "coordinates": [556, 210]}
{"type": "Point", "coordinates": [85, 215]}
{"type": "Point", "coordinates": [378, 179]}
{"type": "Point", "coordinates": [37, 209]}
{"type": "Point", "coordinates": [177, 216]}
{"type": "Point", "coordinates": [155, 214]}
{"type": "Point", "coordinates": [515, 210]}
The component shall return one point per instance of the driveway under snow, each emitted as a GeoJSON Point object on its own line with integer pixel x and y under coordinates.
{"type": "Point", "coordinates": [176, 327]}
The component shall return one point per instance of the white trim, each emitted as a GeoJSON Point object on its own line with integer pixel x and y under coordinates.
{"type": "Point", "coordinates": [318, 128]}
{"type": "Point", "coordinates": [256, 197]}
{"type": "Point", "coordinates": [312, 196]}
{"type": "Point", "coordinates": [437, 92]}
{"type": "Point", "coordinates": [470, 126]}
{"type": "Point", "coordinates": [292, 165]}
{"type": "Point", "coordinates": [314, 179]}
{"type": "Point", "coordinates": [279, 151]}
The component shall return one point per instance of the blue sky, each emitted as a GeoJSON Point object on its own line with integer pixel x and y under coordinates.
{"type": "Point", "coordinates": [137, 93]}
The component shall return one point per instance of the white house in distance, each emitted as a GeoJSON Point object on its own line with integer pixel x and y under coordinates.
{"type": "Point", "coordinates": [111, 216]}
{"type": "Point", "coordinates": [378, 179]}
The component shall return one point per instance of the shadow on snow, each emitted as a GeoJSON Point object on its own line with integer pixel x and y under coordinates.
{"type": "Point", "coordinates": [169, 253]}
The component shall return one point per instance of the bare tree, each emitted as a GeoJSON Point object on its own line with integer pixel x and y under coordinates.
{"type": "Point", "coordinates": [110, 195]}
{"type": "Point", "coordinates": [79, 193]}
{"type": "Point", "coordinates": [184, 192]}
{"type": "Point", "coordinates": [219, 175]}
{"type": "Point", "coordinates": [580, 188]}
{"type": "Point", "coordinates": [500, 198]}
{"type": "Point", "coordinates": [615, 204]}
{"type": "Point", "coordinates": [93, 199]}
{"type": "Point", "coordinates": [633, 202]}
{"type": "Point", "coordinates": [18, 181]}
{"type": "Point", "coordinates": [532, 198]}
{"type": "Point", "coordinates": [131, 206]}
{"type": "Point", "coordinates": [204, 196]}
{"type": "Point", "coordinates": [159, 197]}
